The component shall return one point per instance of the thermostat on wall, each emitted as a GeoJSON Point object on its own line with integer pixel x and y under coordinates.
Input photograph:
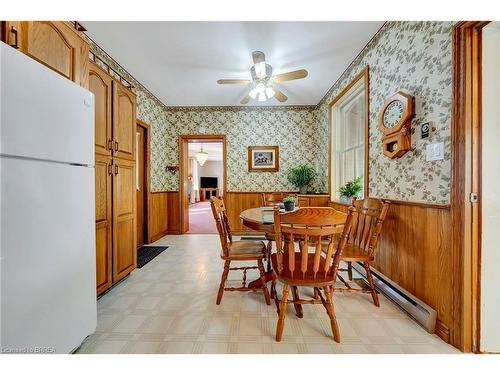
{"type": "Point", "coordinates": [424, 130]}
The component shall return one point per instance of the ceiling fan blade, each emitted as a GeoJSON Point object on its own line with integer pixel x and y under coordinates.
{"type": "Point", "coordinates": [279, 95]}
{"type": "Point", "coordinates": [233, 81]}
{"type": "Point", "coordinates": [245, 100]}
{"type": "Point", "coordinates": [258, 57]}
{"type": "Point", "coordinates": [290, 76]}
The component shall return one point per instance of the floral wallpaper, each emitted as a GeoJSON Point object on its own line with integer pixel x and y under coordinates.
{"type": "Point", "coordinates": [414, 57]}
{"type": "Point", "coordinates": [293, 129]}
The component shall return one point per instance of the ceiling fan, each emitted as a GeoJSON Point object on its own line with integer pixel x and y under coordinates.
{"type": "Point", "coordinates": [262, 79]}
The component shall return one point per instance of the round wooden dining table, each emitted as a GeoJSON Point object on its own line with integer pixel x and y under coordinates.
{"type": "Point", "coordinates": [258, 219]}
{"type": "Point", "coordinates": [262, 220]}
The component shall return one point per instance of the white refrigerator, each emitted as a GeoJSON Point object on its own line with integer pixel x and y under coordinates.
{"type": "Point", "coordinates": [47, 203]}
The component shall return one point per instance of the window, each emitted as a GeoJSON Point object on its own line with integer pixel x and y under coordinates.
{"type": "Point", "coordinates": [348, 135]}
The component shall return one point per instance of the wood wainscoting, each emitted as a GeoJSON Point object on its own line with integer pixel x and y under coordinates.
{"type": "Point", "coordinates": [164, 214]}
{"type": "Point", "coordinates": [414, 251]}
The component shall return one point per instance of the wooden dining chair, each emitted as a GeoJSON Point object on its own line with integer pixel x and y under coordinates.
{"type": "Point", "coordinates": [274, 199]}
{"type": "Point", "coordinates": [295, 266]}
{"type": "Point", "coordinates": [369, 215]}
{"type": "Point", "coordinates": [237, 251]}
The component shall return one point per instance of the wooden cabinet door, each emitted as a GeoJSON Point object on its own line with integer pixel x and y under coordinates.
{"type": "Point", "coordinates": [124, 221]}
{"type": "Point", "coordinates": [101, 85]}
{"type": "Point", "coordinates": [104, 222]}
{"type": "Point", "coordinates": [124, 122]}
{"type": "Point", "coordinates": [54, 44]}
{"type": "Point", "coordinates": [11, 33]}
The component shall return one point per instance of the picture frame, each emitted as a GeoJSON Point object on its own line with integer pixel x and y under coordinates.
{"type": "Point", "coordinates": [263, 159]}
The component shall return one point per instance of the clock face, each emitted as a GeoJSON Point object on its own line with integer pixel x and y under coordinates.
{"type": "Point", "coordinates": [393, 113]}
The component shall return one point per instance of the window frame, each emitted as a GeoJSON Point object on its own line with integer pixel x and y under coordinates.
{"type": "Point", "coordinates": [362, 76]}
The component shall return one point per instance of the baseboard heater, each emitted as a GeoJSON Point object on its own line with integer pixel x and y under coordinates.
{"type": "Point", "coordinates": [421, 312]}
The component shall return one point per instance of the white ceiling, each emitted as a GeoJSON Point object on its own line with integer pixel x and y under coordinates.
{"type": "Point", "coordinates": [213, 149]}
{"type": "Point", "coordinates": [180, 62]}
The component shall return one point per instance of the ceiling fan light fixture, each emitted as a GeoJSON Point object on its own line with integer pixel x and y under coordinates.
{"type": "Point", "coordinates": [260, 69]}
{"type": "Point", "coordinates": [261, 88]}
{"type": "Point", "coordinates": [270, 92]}
{"type": "Point", "coordinates": [253, 93]}
{"type": "Point", "coordinates": [262, 97]}
{"type": "Point", "coordinates": [201, 156]}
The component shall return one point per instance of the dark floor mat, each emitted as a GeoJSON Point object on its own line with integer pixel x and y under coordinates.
{"type": "Point", "coordinates": [146, 254]}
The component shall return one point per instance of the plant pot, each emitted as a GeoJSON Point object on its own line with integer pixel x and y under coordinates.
{"type": "Point", "coordinates": [345, 200]}
{"type": "Point", "coordinates": [303, 189]}
{"type": "Point", "coordinates": [289, 206]}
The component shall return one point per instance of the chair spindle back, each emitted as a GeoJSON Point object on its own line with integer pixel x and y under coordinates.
{"type": "Point", "coordinates": [367, 223]}
{"type": "Point", "coordinates": [222, 222]}
{"type": "Point", "coordinates": [310, 227]}
{"type": "Point", "coordinates": [273, 199]}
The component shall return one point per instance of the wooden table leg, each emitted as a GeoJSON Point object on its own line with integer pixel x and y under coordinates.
{"type": "Point", "coordinates": [258, 283]}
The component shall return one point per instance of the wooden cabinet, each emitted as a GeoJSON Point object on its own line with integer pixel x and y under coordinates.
{"type": "Point", "coordinates": [101, 84]}
{"type": "Point", "coordinates": [52, 43]}
{"type": "Point", "coordinates": [104, 222]}
{"type": "Point", "coordinates": [124, 122]}
{"type": "Point", "coordinates": [116, 232]}
{"type": "Point", "coordinates": [124, 221]}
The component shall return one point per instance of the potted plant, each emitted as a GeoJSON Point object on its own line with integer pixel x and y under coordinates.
{"type": "Point", "coordinates": [301, 176]}
{"type": "Point", "coordinates": [289, 203]}
{"type": "Point", "coordinates": [349, 190]}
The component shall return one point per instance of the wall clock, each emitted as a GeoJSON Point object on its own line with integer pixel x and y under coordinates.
{"type": "Point", "coordinates": [394, 121]}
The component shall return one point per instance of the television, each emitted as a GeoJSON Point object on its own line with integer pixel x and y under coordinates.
{"type": "Point", "coordinates": [208, 182]}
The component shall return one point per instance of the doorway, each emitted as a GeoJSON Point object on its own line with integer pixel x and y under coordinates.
{"type": "Point", "coordinates": [474, 199]}
{"type": "Point", "coordinates": [202, 175]}
{"type": "Point", "coordinates": [142, 182]}
{"type": "Point", "coordinates": [489, 221]}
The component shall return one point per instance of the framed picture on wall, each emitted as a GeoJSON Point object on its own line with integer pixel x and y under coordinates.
{"type": "Point", "coordinates": [263, 159]}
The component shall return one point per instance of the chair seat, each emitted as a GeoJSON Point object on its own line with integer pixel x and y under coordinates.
{"type": "Point", "coordinates": [246, 250]}
{"type": "Point", "coordinates": [353, 253]}
{"type": "Point", "coordinates": [298, 278]}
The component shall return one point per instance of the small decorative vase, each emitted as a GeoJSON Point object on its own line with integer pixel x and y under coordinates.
{"type": "Point", "coordinates": [303, 189]}
{"type": "Point", "coordinates": [289, 206]}
{"type": "Point", "coordinates": [345, 200]}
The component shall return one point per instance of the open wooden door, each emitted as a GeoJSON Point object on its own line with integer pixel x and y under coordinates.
{"type": "Point", "coordinates": [142, 183]}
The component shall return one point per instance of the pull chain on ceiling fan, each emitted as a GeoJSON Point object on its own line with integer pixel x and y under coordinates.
{"type": "Point", "coordinates": [262, 79]}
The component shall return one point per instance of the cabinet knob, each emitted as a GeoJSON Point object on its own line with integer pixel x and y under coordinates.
{"type": "Point", "coordinates": [116, 146]}
{"type": "Point", "coordinates": [116, 169]}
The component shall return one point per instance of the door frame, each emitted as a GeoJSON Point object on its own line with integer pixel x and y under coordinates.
{"type": "Point", "coordinates": [183, 171]}
{"type": "Point", "coordinates": [147, 178]}
{"type": "Point", "coordinates": [465, 179]}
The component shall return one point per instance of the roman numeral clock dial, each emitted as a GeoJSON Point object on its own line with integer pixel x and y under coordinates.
{"type": "Point", "coordinates": [395, 124]}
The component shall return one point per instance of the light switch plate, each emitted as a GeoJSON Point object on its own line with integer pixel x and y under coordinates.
{"type": "Point", "coordinates": [434, 151]}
